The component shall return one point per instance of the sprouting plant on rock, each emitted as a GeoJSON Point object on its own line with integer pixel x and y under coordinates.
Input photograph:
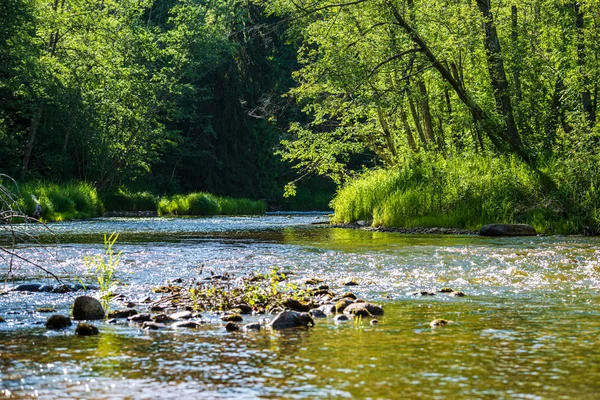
{"type": "Point", "coordinates": [104, 266]}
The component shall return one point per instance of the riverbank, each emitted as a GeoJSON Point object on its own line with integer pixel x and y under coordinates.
{"type": "Point", "coordinates": [80, 200]}
{"type": "Point", "coordinates": [466, 194]}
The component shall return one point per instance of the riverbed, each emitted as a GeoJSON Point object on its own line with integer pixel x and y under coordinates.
{"type": "Point", "coordinates": [528, 327]}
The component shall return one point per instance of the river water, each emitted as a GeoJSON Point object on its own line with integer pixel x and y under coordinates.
{"type": "Point", "coordinates": [529, 326]}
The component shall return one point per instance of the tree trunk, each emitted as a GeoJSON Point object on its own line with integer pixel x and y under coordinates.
{"type": "Point", "coordinates": [417, 121]}
{"type": "Point", "coordinates": [409, 135]}
{"type": "Point", "coordinates": [516, 64]}
{"type": "Point", "coordinates": [425, 111]}
{"type": "Point", "coordinates": [389, 140]}
{"type": "Point", "coordinates": [33, 129]}
{"type": "Point", "coordinates": [586, 97]}
{"type": "Point", "coordinates": [495, 133]}
{"type": "Point", "coordinates": [498, 74]}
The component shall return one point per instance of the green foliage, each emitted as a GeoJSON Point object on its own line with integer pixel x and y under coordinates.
{"type": "Point", "coordinates": [125, 200]}
{"type": "Point", "coordinates": [208, 204]}
{"type": "Point", "coordinates": [469, 193]}
{"type": "Point", "coordinates": [61, 201]}
{"type": "Point", "coordinates": [104, 267]}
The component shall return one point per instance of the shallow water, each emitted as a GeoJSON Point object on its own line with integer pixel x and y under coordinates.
{"type": "Point", "coordinates": [528, 328]}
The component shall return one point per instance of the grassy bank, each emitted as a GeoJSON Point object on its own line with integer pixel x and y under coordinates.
{"type": "Point", "coordinates": [60, 202]}
{"type": "Point", "coordinates": [80, 200]}
{"type": "Point", "coordinates": [468, 193]}
{"type": "Point", "coordinates": [208, 204]}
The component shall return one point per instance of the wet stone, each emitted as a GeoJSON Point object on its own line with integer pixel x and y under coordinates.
{"type": "Point", "coordinates": [187, 324]}
{"type": "Point", "coordinates": [162, 318]}
{"type": "Point", "coordinates": [27, 287]}
{"type": "Point", "coordinates": [349, 295]}
{"type": "Point", "coordinates": [244, 308]}
{"type": "Point", "coordinates": [57, 321]}
{"type": "Point", "coordinates": [374, 321]}
{"type": "Point", "coordinates": [140, 317]}
{"type": "Point", "coordinates": [341, 318]}
{"type": "Point", "coordinates": [352, 282]}
{"type": "Point", "coordinates": [317, 313]}
{"type": "Point", "coordinates": [457, 294]}
{"type": "Point", "coordinates": [85, 329]}
{"type": "Point", "coordinates": [364, 309]}
{"type": "Point", "coordinates": [2, 320]}
{"type": "Point", "coordinates": [341, 305]}
{"type": "Point", "coordinates": [46, 288]}
{"type": "Point", "coordinates": [295, 305]}
{"type": "Point", "coordinates": [291, 319]}
{"type": "Point", "coordinates": [112, 321]}
{"type": "Point", "coordinates": [153, 326]}
{"type": "Point", "coordinates": [423, 293]}
{"type": "Point", "coordinates": [446, 290]}
{"type": "Point", "coordinates": [87, 308]}
{"type": "Point", "coordinates": [327, 308]}
{"type": "Point", "coordinates": [122, 313]}
{"type": "Point", "coordinates": [313, 281]}
{"type": "Point", "coordinates": [255, 326]}
{"type": "Point", "coordinates": [44, 310]}
{"type": "Point", "coordinates": [439, 322]}
{"type": "Point", "coordinates": [231, 327]}
{"type": "Point", "coordinates": [232, 318]}
{"type": "Point", "coordinates": [181, 315]}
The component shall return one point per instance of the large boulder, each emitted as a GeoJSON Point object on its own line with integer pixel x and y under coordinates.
{"type": "Point", "coordinates": [291, 319]}
{"type": "Point", "coordinates": [87, 308]}
{"type": "Point", "coordinates": [507, 230]}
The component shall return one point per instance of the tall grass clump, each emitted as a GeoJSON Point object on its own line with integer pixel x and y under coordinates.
{"type": "Point", "coordinates": [458, 192]}
{"type": "Point", "coordinates": [123, 199]}
{"type": "Point", "coordinates": [208, 204]}
{"type": "Point", "coordinates": [61, 201]}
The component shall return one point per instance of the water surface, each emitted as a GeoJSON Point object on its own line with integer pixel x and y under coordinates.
{"type": "Point", "coordinates": [528, 328]}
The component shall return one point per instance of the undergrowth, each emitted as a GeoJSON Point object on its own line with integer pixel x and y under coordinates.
{"type": "Point", "coordinates": [470, 192]}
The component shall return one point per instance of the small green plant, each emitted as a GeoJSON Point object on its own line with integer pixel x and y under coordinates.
{"type": "Point", "coordinates": [104, 266]}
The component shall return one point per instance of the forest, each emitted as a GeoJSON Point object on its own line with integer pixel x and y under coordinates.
{"type": "Point", "coordinates": [430, 113]}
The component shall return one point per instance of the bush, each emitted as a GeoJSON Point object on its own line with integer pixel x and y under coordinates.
{"type": "Point", "coordinates": [125, 200]}
{"type": "Point", "coordinates": [208, 204]}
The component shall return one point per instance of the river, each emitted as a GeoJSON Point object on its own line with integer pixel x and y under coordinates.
{"type": "Point", "coordinates": [529, 326]}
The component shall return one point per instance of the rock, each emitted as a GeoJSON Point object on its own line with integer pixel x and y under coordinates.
{"type": "Point", "coordinates": [231, 327]}
{"type": "Point", "coordinates": [349, 295]}
{"type": "Point", "coordinates": [232, 318]}
{"type": "Point", "coordinates": [291, 319]}
{"type": "Point", "coordinates": [187, 324]}
{"type": "Point", "coordinates": [458, 294]}
{"type": "Point", "coordinates": [140, 317]}
{"type": "Point", "coordinates": [85, 329]}
{"type": "Point", "coordinates": [341, 305]}
{"type": "Point", "coordinates": [46, 288]}
{"type": "Point", "coordinates": [157, 308]}
{"type": "Point", "coordinates": [62, 289]}
{"type": "Point", "coordinates": [446, 290]}
{"type": "Point", "coordinates": [244, 308]}
{"type": "Point", "coordinates": [341, 318]}
{"type": "Point", "coordinates": [374, 321]}
{"type": "Point", "coordinates": [161, 318]}
{"type": "Point", "coordinates": [153, 326]}
{"type": "Point", "coordinates": [295, 305]}
{"type": "Point", "coordinates": [2, 320]}
{"type": "Point", "coordinates": [131, 304]}
{"type": "Point", "coordinates": [87, 308]}
{"type": "Point", "coordinates": [439, 322]}
{"type": "Point", "coordinates": [507, 230]}
{"type": "Point", "coordinates": [313, 281]}
{"type": "Point", "coordinates": [57, 321]}
{"type": "Point", "coordinates": [181, 315]}
{"type": "Point", "coordinates": [37, 211]}
{"type": "Point", "coordinates": [352, 282]}
{"type": "Point", "coordinates": [27, 287]}
{"type": "Point", "coordinates": [112, 321]}
{"type": "Point", "coordinates": [122, 313]}
{"type": "Point", "coordinates": [423, 293]}
{"type": "Point", "coordinates": [317, 313]}
{"type": "Point", "coordinates": [360, 308]}
{"type": "Point", "coordinates": [255, 326]}
{"type": "Point", "coordinates": [44, 310]}
{"type": "Point", "coordinates": [327, 308]}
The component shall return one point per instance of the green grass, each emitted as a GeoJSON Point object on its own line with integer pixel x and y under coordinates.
{"type": "Point", "coordinates": [124, 200]}
{"type": "Point", "coordinates": [208, 204]}
{"type": "Point", "coordinates": [468, 193]}
{"type": "Point", "coordinates": [61, 201]}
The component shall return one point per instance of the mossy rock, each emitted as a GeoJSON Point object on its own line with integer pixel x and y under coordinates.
{"type": "Point", "coordinates": [232, 318]}
{"type": "Point", "coordinates": [85, 329]}
{"type": "Point", "coordinates": [341, 305]}
{"type": "Point", "coordinates": [295, 305]}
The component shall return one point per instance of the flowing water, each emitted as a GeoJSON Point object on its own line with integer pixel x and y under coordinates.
{"type": "Point", "coordinates": [529, 326]}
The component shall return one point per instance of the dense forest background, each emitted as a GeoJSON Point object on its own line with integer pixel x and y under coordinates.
{"type": "Point", "coordinates": [240, 97]}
